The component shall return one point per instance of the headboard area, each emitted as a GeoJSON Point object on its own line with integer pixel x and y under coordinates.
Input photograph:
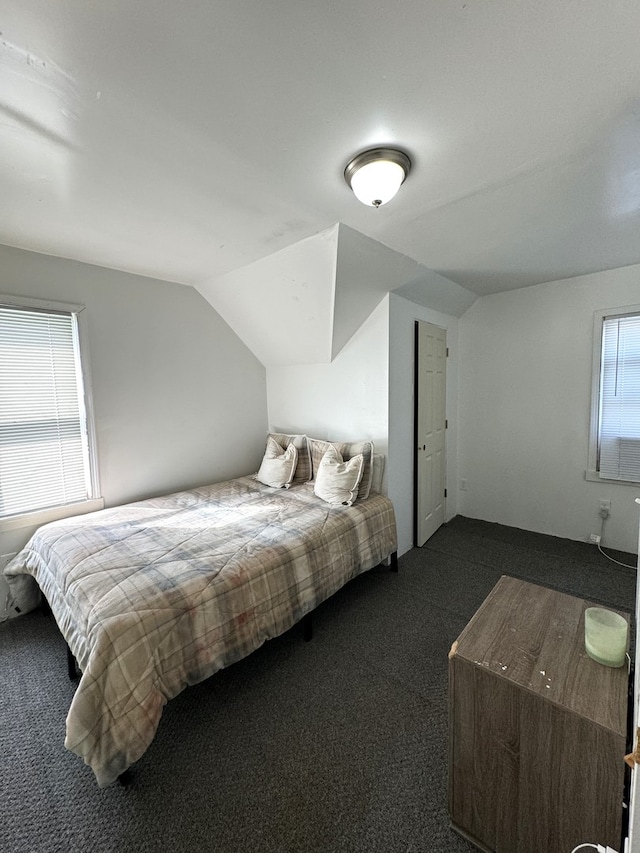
{"type": "Point", "coordinates": [378, 471]}
{"type": "Point", "coordinates": [310, 452]}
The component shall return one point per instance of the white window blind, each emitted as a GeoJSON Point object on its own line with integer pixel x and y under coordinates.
{"type": "Point", "coordinates": [44, 454]}
{"type": "Point", "coordinates": [619, 416]}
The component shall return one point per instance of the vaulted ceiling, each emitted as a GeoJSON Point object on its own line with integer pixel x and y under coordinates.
{"type": "Point", "coordinates": [190, 140]}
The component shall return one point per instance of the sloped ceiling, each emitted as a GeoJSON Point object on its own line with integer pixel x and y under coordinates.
{"type": "Point", "coordinates": [185, 141]}
{"type": "Point", "coordinates": [302, 304]}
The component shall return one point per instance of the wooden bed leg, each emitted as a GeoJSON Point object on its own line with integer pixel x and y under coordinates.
{"type": "Point", "coordinates": [394, 561]}
{"type": "Point", "coordinates": [307, 627]}
{"type": "Point", "coordinates": [72, 666]}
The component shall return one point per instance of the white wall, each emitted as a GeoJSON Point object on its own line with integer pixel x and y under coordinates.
{"type": "Point", "coordinates": [179, 400]}
{"type": "Point", "coordinates": [403, 315]}
{"type": "Point", "coordinates": [344, 400]}
{"type": "Point", "coordinates": [525, 396]}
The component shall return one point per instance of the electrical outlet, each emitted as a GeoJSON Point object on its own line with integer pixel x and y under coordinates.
{"type": "Point", "coordinates": [595, 538]}
{"type": "Point", "coordinates": [463, 486]}
{"type": "Point", "coordinates": [605, 509]}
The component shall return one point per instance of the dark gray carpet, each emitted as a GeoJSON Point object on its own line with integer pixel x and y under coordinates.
{"type": "Point", "coordinates": [335, 745]}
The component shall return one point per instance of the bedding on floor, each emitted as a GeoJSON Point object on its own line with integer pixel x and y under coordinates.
{"type": "Point", "coordinates": [160, 594]}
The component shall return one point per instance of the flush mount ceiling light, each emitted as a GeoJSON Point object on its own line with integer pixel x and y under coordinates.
{"type": "Point", "coordinates": [376, 175]}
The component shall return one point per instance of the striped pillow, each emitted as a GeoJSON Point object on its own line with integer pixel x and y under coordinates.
{"type": "Point", "coordinates": [347, 449]}
{"type": "Point", "coordinates": [303, 468]}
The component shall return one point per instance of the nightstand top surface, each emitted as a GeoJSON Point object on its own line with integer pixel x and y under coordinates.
{"type": "Point", "coordinates": [533, 636]}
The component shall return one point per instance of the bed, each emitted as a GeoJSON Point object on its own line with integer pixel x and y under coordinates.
{"type": "Point", "coordinates": [159, 594]}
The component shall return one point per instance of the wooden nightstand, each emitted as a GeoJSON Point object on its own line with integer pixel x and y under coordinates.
{"type": "Point", "coordinates": [537, 730]}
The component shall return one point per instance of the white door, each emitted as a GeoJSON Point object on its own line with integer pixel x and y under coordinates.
{"type": "Point", "coordinates": [431, 360]}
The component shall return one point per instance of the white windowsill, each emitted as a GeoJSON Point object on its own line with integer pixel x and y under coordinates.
{"type": "Point", "coordinates": [42, 516]}
{"type": "Point", "coordinates": [595, 477]}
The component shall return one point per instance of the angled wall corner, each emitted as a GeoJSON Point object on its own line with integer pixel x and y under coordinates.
{"type": "Point", "coordinates": [431, 290]}
{"type": "Point", "coordinates": [282, 306]}
{"type": "Point", "coordinates": [367, 270]}
{"type": "Point", "coordinates": [301, 305]}
{"type": "Point", "coordinates": [365, 273]}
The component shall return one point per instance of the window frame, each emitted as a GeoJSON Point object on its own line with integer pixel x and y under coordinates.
{"type": "Point", "coordinates": [599, 317]}
{"type": "Point", "coordinates": [95, 501]}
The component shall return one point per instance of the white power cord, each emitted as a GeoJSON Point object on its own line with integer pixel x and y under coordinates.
{"type": "Point", "coordinates": [599, 847]}
{"type": "Point", "coordinates": [626, 565]}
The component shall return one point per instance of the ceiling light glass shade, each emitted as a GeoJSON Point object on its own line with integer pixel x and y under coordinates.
{"type": "Point", "coordinates": [375, 176]}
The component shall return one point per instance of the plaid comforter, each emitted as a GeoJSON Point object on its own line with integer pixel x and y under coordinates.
{"type": "Point", "coordinates": [159, 594]}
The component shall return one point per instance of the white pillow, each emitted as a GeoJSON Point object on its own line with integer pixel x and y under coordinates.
{"type": "Point", "coordinates": [337, 481]}
{"type": "Point", "coordinates": [278, 465]}
{"type": "Point", "coordinates": [347, 449]}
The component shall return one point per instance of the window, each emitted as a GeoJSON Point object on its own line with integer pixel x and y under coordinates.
{"type": "Point", "coordinates": [615, 440]}
{"type": "Point", "coordinates": [46, 443]}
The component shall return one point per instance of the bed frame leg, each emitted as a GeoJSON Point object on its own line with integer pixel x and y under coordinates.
{"type": "Point", "coordinates": [72, 665]}
{"type": "Point", "coordinates": [126, 779]}
{"type": "Point", "coordinates": [307, 627]}
{"type": "Point", "coordinates": [394, 561]}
